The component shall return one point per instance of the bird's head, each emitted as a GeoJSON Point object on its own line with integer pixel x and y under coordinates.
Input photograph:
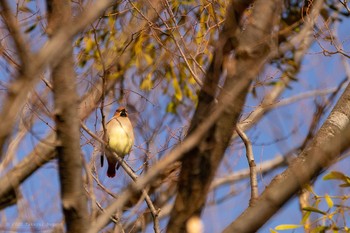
{"type": "Point", "coordinates": [121, 111]}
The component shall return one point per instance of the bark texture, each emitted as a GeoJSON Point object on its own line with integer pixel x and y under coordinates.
{"type": "Point", "coordinates": [35, 63]}
{"type": "Point", "coordinates": [251, 48]}
{"type": "Point", "coordinates": [74, 200]}
{"type": "Point", "coordinates": [331, 140]}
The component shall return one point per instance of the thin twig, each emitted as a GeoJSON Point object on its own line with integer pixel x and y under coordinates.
{"type": "Point", "coordinates": [53, 51]}
{"type": "Point", "coordinates": [264, 167]}
{"type": "Point", "coordinates": [133, 176]}
{"type": "Point", "coordinates": [195, 77]}
{"type": "Point", "coordinates": [14, 29]}
{"type": "Point", "coordinates": [102, 103]}
{"type": "Point", "coordinates": [250, 157]}
{"type": "Point", "coordinates": [191, 141]}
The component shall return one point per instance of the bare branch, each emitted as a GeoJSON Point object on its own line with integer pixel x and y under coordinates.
{"type": "Point", "coordinates": [252, 48]}
{"type": "Point", "coordinates": [188, 144]}
{"type": "Point", "coordinates": [52, 52]}
{"type": "Point", "coordinates": [328, 144]}
{"type": "Point", "coordinates": [132, 175]}
{"type": "Point", "coordinates": [239, 175]}
{"type": "Point", "coordinates": [13, 27]}
{"type": "Point", "coordinates": [74, 201]}
{"type": "Point", "coordinates": [44, 151]}
{"type": "Point", "coordinates": [173, 156]}
{"type": "Point", "coordinates": [250, 157]}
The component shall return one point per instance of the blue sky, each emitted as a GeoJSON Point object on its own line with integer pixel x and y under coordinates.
{"type": "Point", "coordinates": [278, 132]}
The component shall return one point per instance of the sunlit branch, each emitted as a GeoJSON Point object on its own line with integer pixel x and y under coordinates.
{"type": "Point", "coordinates": [52, 52]}
{"type": "Point", "coordinates": [252, 166]}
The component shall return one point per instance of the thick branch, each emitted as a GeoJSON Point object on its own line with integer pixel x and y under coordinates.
{"type": "Point", "coordinates": [14, 29]}
{"type": "Point", "coordinates": [299, 43]}
{"type": "Point", "coordinates": [180, 150]}
{"type": "Point", "coordinates": [44, 151]}
{"type": "Point", "coordinates": [74, 201]}
{"type": "Point", "coordinates": [200, 164]}
{"type": "Point", "coordinates": [331, 140]}
{"type": "Point", "coordinates": [52, 52]}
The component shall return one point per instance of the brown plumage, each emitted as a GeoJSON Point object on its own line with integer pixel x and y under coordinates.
{"type": "Point", "coordinates": [120, 137]}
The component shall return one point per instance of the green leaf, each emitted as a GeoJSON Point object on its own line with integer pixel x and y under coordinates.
{"type": "Point", "coordinates": [315, 210]}
{"type": "Point", "coordinates": [287, 226]}
{"type": "Point", "coordinates": [30, 28]}
{"type": "Point", "coordinates": [82, 62]}
{"type": "Point", "coordinates": [171, 107]}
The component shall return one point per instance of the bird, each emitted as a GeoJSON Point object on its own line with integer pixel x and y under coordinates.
{"type": "Point", "coordinates": [120, 138]}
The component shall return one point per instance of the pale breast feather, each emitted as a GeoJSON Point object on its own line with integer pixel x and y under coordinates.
{"type": "Point", "coordinates": [119, 139]}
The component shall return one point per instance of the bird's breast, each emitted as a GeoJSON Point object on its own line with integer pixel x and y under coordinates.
{"type": "Point", "coordinates": [121, 138]}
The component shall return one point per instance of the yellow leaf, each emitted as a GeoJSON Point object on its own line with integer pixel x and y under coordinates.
{"type": "Point", "coordinates": [111, 21]}
{"type": "Point", "coordinates": [305, 217]}
{"type": "Point", "coordinates": [147, 83]}
{"type": "Point", "coordinates": [192, 80]}
{"type": "Point", "coordinates": [89, 44]}
{"type": "Point", "coordinates": [309, 188]}
{"type": "Point", "coordinates": [177, 89]}
{"type": "Point", "coordinates": [25, 9]}
{"type": "Point", "coordinates": [139, 43]}
{"type": "Point", "coordinates": [78, 42]}
{"type": "Point", "coordinates": [171, 107]}
{"type": "Point", "coordinates": [287, 226]}
{"type": "Point", "coordinates": [329, 201]}
{"type": "Point", "coordinates": [273, 231]}
{"type": "Point", "coordinates": [115, 75]}
{"type": "Point", "coordinates": [334, 175]}
{"type": "Point", "coordinates": [148, 58]}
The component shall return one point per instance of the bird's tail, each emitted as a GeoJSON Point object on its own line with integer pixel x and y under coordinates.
{"type": "Point", "coordinates": [101, 160]}
{"type": "Point", "coordinates": [111, 171]}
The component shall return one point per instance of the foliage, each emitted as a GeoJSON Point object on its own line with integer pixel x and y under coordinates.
{"type": "Point", "coordinates": [326, 213]}
{"type": "Point", "coordinates": [154, 57]}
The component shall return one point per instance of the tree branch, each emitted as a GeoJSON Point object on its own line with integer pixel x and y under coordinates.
{"type": "Point", "coordinates": [132, 175]}
{"type": "Point", "coordinates": [52, 52]}
{"type": "Point", "coordinates": [252, 166]}
{"type": "Point", "coordinates": [331, 140]}
{"type": "Point", "coordinates": [252, 48]}
{"type": "Point", "coordinates": [13, 27]}
{"type": "Point", "coordinates": [74, 201]}
{"type": "Point", "coordinates": [44, 151]}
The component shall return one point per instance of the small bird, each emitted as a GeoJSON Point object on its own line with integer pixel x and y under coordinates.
{"type": "Point", "coordinates": [120, 137]}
